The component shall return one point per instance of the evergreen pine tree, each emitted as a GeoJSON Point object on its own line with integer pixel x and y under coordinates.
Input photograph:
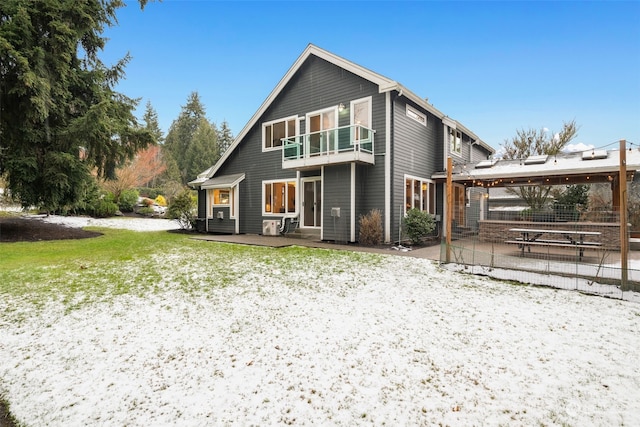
{"type": "Point", "coordinates": [225, 137]}
{"type": "Point", "coordinates": [60, 116]}
{"type": "Point", "coordinates": [192, 140]}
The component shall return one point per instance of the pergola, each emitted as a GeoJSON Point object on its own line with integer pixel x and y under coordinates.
{"type": "Point", "coordinates": [594, 166]}
{"type": "Point", "coordinates": [616, 167]}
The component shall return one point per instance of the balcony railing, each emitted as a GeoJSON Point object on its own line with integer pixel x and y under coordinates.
{"type": "Point", "coordinates": [333, 146]}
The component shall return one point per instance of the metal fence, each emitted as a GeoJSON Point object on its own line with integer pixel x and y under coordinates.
{"type": "Point", "coordinates": [561, 247]}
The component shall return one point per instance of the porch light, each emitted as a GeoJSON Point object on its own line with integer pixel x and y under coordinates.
{"type": "Point", "coordinates": [341, 107]}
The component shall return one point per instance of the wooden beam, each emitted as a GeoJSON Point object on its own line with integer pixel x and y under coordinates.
{"type": "Point", "coordinates": [449, 207]}
{"type": "Point", "coordinates": [624, 236]}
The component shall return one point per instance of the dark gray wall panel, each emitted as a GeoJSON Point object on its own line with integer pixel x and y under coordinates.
{"type": "Point", "coordinates": [317, 85]}
{"type": "Point", "coordinates": [337, 194]}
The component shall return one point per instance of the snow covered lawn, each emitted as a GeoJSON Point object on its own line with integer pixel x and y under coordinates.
{"type": "Point", "coordinates": [264, 336]}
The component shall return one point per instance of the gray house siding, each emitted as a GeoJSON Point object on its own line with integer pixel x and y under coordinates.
{"type": "Point", "coordinates": [224, 224]}
{"type": "Point", "coordinates": [370, 180]}
{"type": "Point", "coordinates": [315, 83]}
{"type": "Point", "coordinates": [337, 194]}
{"type": "Point", "coordinates": [202, 210]}
{"type": "Point", "coordinates": [318, 84]}
{"type": "Point", "coordinates": [414, 153]}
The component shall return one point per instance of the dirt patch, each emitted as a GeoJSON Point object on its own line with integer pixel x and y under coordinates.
{"type": "Point", "coordinates": [6, 419]}
{"type": "Point", "coordinates": [21, 229]}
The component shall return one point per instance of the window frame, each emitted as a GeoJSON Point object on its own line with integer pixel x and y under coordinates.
{"type": "Point", "coordinates": [455, 135]}
{"type": "Point", "coordinates": [286, 197]}
{"type": "Point", "coordinates": [230, 203]}
{"type": "Point", "coordinates": [356, 135]}
{"type": "Point", "coordinates": [271, 123]}
{"type": "Point", "coordinates": [416, 115]}
{"type": "Point", "coordinates": [219, 191]}
{"type": "Point", "coordinates": [426, 200]}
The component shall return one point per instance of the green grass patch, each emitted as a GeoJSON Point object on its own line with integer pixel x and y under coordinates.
{"type": "Point", "coordinates": [121, 262]}
{"type": "Point", "coordinates": [113, 245]}
{"type": "Point", "coordinates": [63, 267]}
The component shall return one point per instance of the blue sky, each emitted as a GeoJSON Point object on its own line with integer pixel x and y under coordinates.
{"type": "Point", "coordinates": [494, 66]}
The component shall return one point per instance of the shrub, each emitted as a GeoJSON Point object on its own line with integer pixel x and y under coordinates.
{"type": "Point", "coordinates": [371, 228]}
{"type": "Point", "coordinates": [418, 224]}
{"type": "Point", "coordinates": [151, 193]}
{"type": "Point", "coordinates": [147, 202]}
{"type": "Point", "coordinates": [146, 211]}
{"type": "Point", "coordinates": [104, 208]}
{"type": "Point", "coordinates": [128, 200]}
{"type": "Point", "coordinates": [182, 209]}
{"type": "Point", "coordinates": [160, 200]}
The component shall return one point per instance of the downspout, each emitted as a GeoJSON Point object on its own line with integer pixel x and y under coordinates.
{"type": "Point", "coordinates": [471, 148]}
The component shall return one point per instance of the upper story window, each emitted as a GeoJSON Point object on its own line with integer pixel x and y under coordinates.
{"type": "Point", "coordinates": [361, 116]}
{"type": "Point", "coordinates": [455, 141]}
{"type": "Point", "coordinates": [273, 132]}
{"type": "Point", "coordinates": [420, 194]}
{"type": "Point", "coordinates": [416, 115]}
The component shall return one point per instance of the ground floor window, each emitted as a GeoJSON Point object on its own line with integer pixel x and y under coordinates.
{"type": "Point", "coordinates": [279, 197]}
{"type": "Point", "coordinates": [420, 193]}
{"type": "Point", "coordinates": [222, 197]}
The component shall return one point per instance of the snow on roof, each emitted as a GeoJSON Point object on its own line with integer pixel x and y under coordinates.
{"type": "Point", "coordinates": [562, 165]}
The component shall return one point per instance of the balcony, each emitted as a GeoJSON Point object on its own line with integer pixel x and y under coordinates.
{"type": "Point", "coordinates": [329, 147]}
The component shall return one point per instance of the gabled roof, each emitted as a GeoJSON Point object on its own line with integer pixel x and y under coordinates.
{"type": "Point", "coordinates": [385, 85]}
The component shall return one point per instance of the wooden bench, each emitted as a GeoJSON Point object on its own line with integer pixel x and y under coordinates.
{"type": "Point", "coordinates": [555, 243]}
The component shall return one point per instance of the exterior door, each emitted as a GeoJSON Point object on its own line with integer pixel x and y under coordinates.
{"type": "Point", "coordinates": [322, 138]}
{"type": "Point", "coordinates": [311, 202]}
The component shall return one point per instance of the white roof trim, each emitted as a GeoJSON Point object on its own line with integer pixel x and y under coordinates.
{"type": "Point", "coordinates": [310, 50]}
{"type": "Point", "coordinates": [202, 177]}
{"type": "Point", "coordinates": [385, 85]}
{"type": "Point", "coordinates": [224, 181]}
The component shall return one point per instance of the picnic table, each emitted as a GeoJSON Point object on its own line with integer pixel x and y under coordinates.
{"type": "Point", "coordinates": [572, 239]}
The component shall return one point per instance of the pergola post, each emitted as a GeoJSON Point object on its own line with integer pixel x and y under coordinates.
{"type": "Point", "coordinates": [624, 237]}
{"type": "Point", "coordinates": [449, 212]}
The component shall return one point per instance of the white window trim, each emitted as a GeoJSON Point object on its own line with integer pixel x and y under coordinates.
{"type": "Point", "coordinates": [333, 109]}
{"type": "Point", "coordinates": [285, 181]}
{"type": "Point", "coordinates": [452, 134]}
{"type": "Point", "coordinates": [222, 204]}
{"type": "Point", "coordinates": [232, 205]}
{"type": "Point", "coordinates": [422, 181]}
{"type": "Point", "coordinates": [284, 119]}
{"type": "Point", "coordinates": [416, 115]}
{"type": "Point", "coordinates": [368, 100]}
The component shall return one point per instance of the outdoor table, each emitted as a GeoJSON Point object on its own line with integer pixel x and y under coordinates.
{"type": "Point", "coordinates": [573, 239]}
